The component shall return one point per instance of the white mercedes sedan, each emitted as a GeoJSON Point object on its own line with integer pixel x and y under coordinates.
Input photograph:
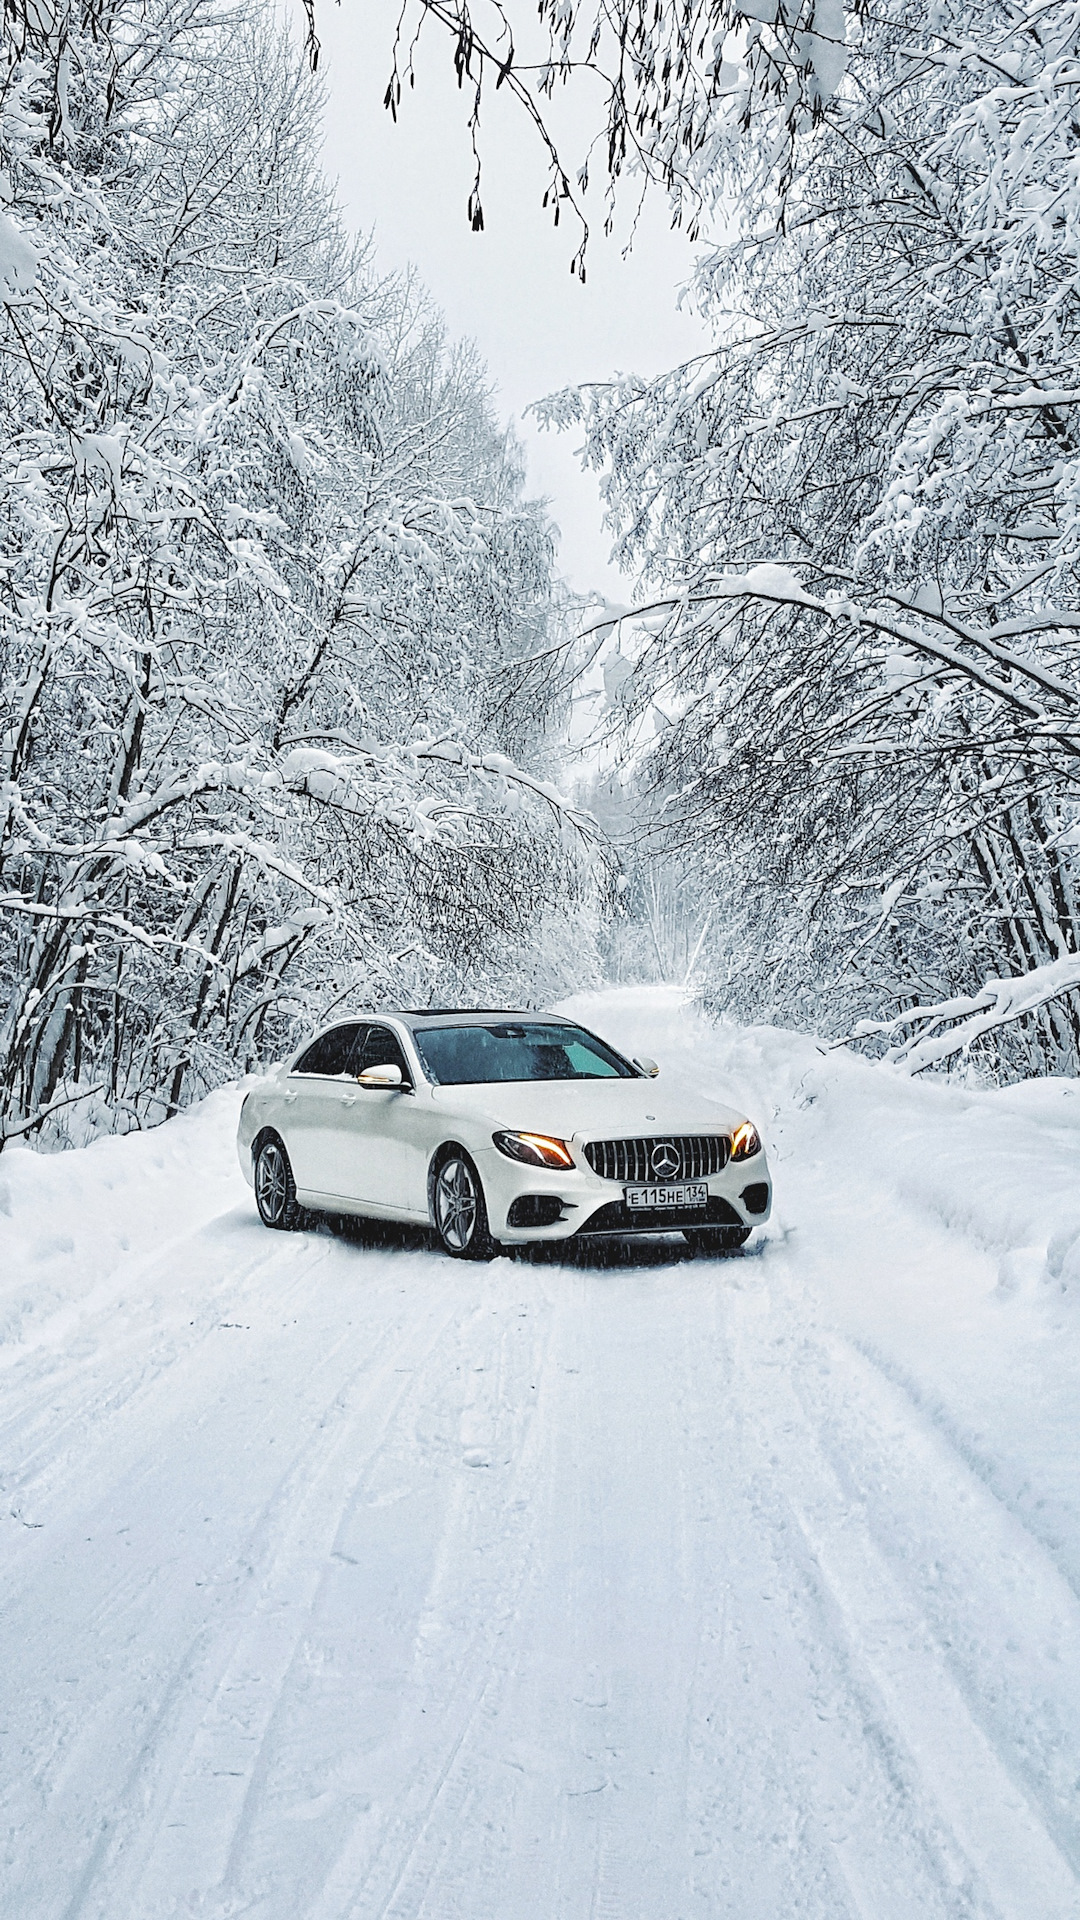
{"type": "Point", "coordinates": [496, 1129]}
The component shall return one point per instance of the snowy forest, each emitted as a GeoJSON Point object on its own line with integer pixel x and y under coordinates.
{"type": "Point", "coordinates": [287, 672]}
{"type": "Point", "coordinates": [265, 552]}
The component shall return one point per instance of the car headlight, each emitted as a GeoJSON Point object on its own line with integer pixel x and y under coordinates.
{"type": "Point", "coordinates": [536, 1149]}
{"type": "Point", "coordinates": [745, 1142]}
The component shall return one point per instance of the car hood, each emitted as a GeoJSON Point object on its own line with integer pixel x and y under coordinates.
{"type": "Point", "coordinates": [567, 1108]}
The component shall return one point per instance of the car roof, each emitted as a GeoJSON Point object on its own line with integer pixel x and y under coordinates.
{"type": "Point", "coordinates": [472, 1016]}
{"type": "Point", "coordinates": [414, 1017]}
{"type": "Point", "coordinates": [461, 1016]}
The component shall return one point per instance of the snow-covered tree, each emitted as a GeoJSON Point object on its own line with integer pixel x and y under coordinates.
{"type": "Point", "coordinates": [859, 515]}
{"type": "Point", "coordinates": [263, 550]}
{"type": "Point", "coordinates": [857, 689]}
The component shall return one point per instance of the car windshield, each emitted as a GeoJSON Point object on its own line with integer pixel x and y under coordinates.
{"type": "Point", "coordinates": [516, 1050]}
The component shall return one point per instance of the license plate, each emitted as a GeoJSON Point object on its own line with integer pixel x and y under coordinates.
{"type": "Point", "coordinates": [646, 1199]}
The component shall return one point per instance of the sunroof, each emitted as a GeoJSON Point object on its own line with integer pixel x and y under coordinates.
{"type": "Point", "coordinates": [425, 1013]}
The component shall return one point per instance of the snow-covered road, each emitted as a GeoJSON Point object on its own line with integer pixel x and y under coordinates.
{"type": "Point", "coordinates": [340, 1580]}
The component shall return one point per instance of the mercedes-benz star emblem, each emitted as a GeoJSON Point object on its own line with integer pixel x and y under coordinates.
{"type": "Point", "coordinates": [666, 1160]}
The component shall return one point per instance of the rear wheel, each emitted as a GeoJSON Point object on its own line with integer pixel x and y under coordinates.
{"type": "Point", "coordinates": [275, 1188]}
{"type": "Point", "coordinates": [717, 1239]}
{"type": "Point", "coordinates": [461, 1220]}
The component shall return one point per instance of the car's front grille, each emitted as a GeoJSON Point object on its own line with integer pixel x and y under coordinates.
{"type": "Point", "coordinates": [694, 1157]}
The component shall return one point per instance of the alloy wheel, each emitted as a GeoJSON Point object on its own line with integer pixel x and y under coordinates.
{"type": "Point", "coordinates": [456, 1204]}
{"type": "Point", "coordinates": [272, 1184]}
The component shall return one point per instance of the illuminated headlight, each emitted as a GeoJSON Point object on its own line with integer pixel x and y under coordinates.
{"type": "Point", "coordinates": [745, 1142]}
{"type": "Point", "coordinates": [536, 1149]}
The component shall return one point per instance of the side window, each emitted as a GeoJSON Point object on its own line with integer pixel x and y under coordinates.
{"type": "Point", "coordinates": [334, 1052]}
{"type": "Point", "coordinates": [383, 1049]}
{"type": "Point", "coordinates": [590, 1065]}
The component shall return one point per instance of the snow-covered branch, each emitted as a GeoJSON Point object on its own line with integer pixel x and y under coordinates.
{"type": "Point", "coordinates": [924, 1037]}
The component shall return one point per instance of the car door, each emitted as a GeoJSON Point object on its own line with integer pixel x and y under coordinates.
{"type": "Point", "coordinates": [381, 1158]}
{"type": "Point", "coordinates": [315, 1104]}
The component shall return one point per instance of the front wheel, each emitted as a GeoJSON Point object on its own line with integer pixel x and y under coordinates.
{"type": "Point", "coordinates": [717, 1239]}
{"type": "Point", "coordinates": [275, 1188]}
{"type": "Point", "coordinates": [461, 1220]}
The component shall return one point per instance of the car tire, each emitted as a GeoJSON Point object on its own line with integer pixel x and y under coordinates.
{"type": "Point", "coordinates": [275, 1188]}
{"type": "Point", "coordinates": [717, 1239]}
{"type": "Point", "coordinates": [458, 1209]}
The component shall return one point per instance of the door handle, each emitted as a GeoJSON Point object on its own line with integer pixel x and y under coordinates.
{"type": "Point", "coordinates": [289, 1099]}
{"type": "Point", "coordinates": [348, 1099]}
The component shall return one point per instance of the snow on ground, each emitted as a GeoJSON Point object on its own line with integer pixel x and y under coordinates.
{"type": "Point", "coordinates": [341, 1580]}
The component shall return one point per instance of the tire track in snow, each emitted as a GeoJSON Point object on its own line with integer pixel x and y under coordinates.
{"type": "Point", "coordinates": [240, 1288]}
{"type": "Point", "coordinates": [446, 1436]}
{"type": "Point", "coordinates": [101, 1742]}
{"type": "Point", "coordinates": [64, 1604]}
{"type": "Point", "coordinates": [926, 1412]}
{"type": "Point", "coordinates": [947, 1536]}
{"type": "Point", "coordinates": [575, 1730]}
{"type": "Point", "coordinates": [456, 1678]}
{"type": "Point", "coordinates": [996, 1594]}
{"type": "Point", "coordinates": [633, 1610]}
{"type": "Point", "coordinates": [952, 1769]}
{"type": "Point", "coordinates": [546, 1783]}
{"type": "Point", "coordinates": [782, 1778]}
{"type": "Point", "coordinates": [581, 1783]}
{"type": "Point", "coordinates": [79, 1403]}
{"type": "Point", "coordinates": [566, 1795]}
{"type": "Point", "coordinates": [226, 1745]}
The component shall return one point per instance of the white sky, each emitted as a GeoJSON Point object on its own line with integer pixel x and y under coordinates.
{"type": "Point", "coordinates": [509, 287]}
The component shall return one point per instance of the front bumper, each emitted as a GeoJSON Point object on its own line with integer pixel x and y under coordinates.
{"type": "Point", "coordinates": [739, 1196]}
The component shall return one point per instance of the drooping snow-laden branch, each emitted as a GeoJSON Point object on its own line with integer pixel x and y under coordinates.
{"type": "Point", "coordinates": [33, 1121]}
{"type": "Point", "coordinates": [688, 96]}
{"type": "Point", "coordinates": [450, 753]}
{"type": "Point", "coordinates": [772, 584]}
{"type": "Point", "coordinates": [923, 1037]}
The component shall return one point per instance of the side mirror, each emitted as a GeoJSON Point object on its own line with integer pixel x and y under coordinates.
{"type": "Point", "coordinates": [648, 1067]}
{"type": "Point", "coordinates": [388, 1076]}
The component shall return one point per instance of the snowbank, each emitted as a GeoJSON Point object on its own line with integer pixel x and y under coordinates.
{"type": "Point", "coordinates": [68, 1221]}
{"type": "Point", "coordinates": [1001, 1165]}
